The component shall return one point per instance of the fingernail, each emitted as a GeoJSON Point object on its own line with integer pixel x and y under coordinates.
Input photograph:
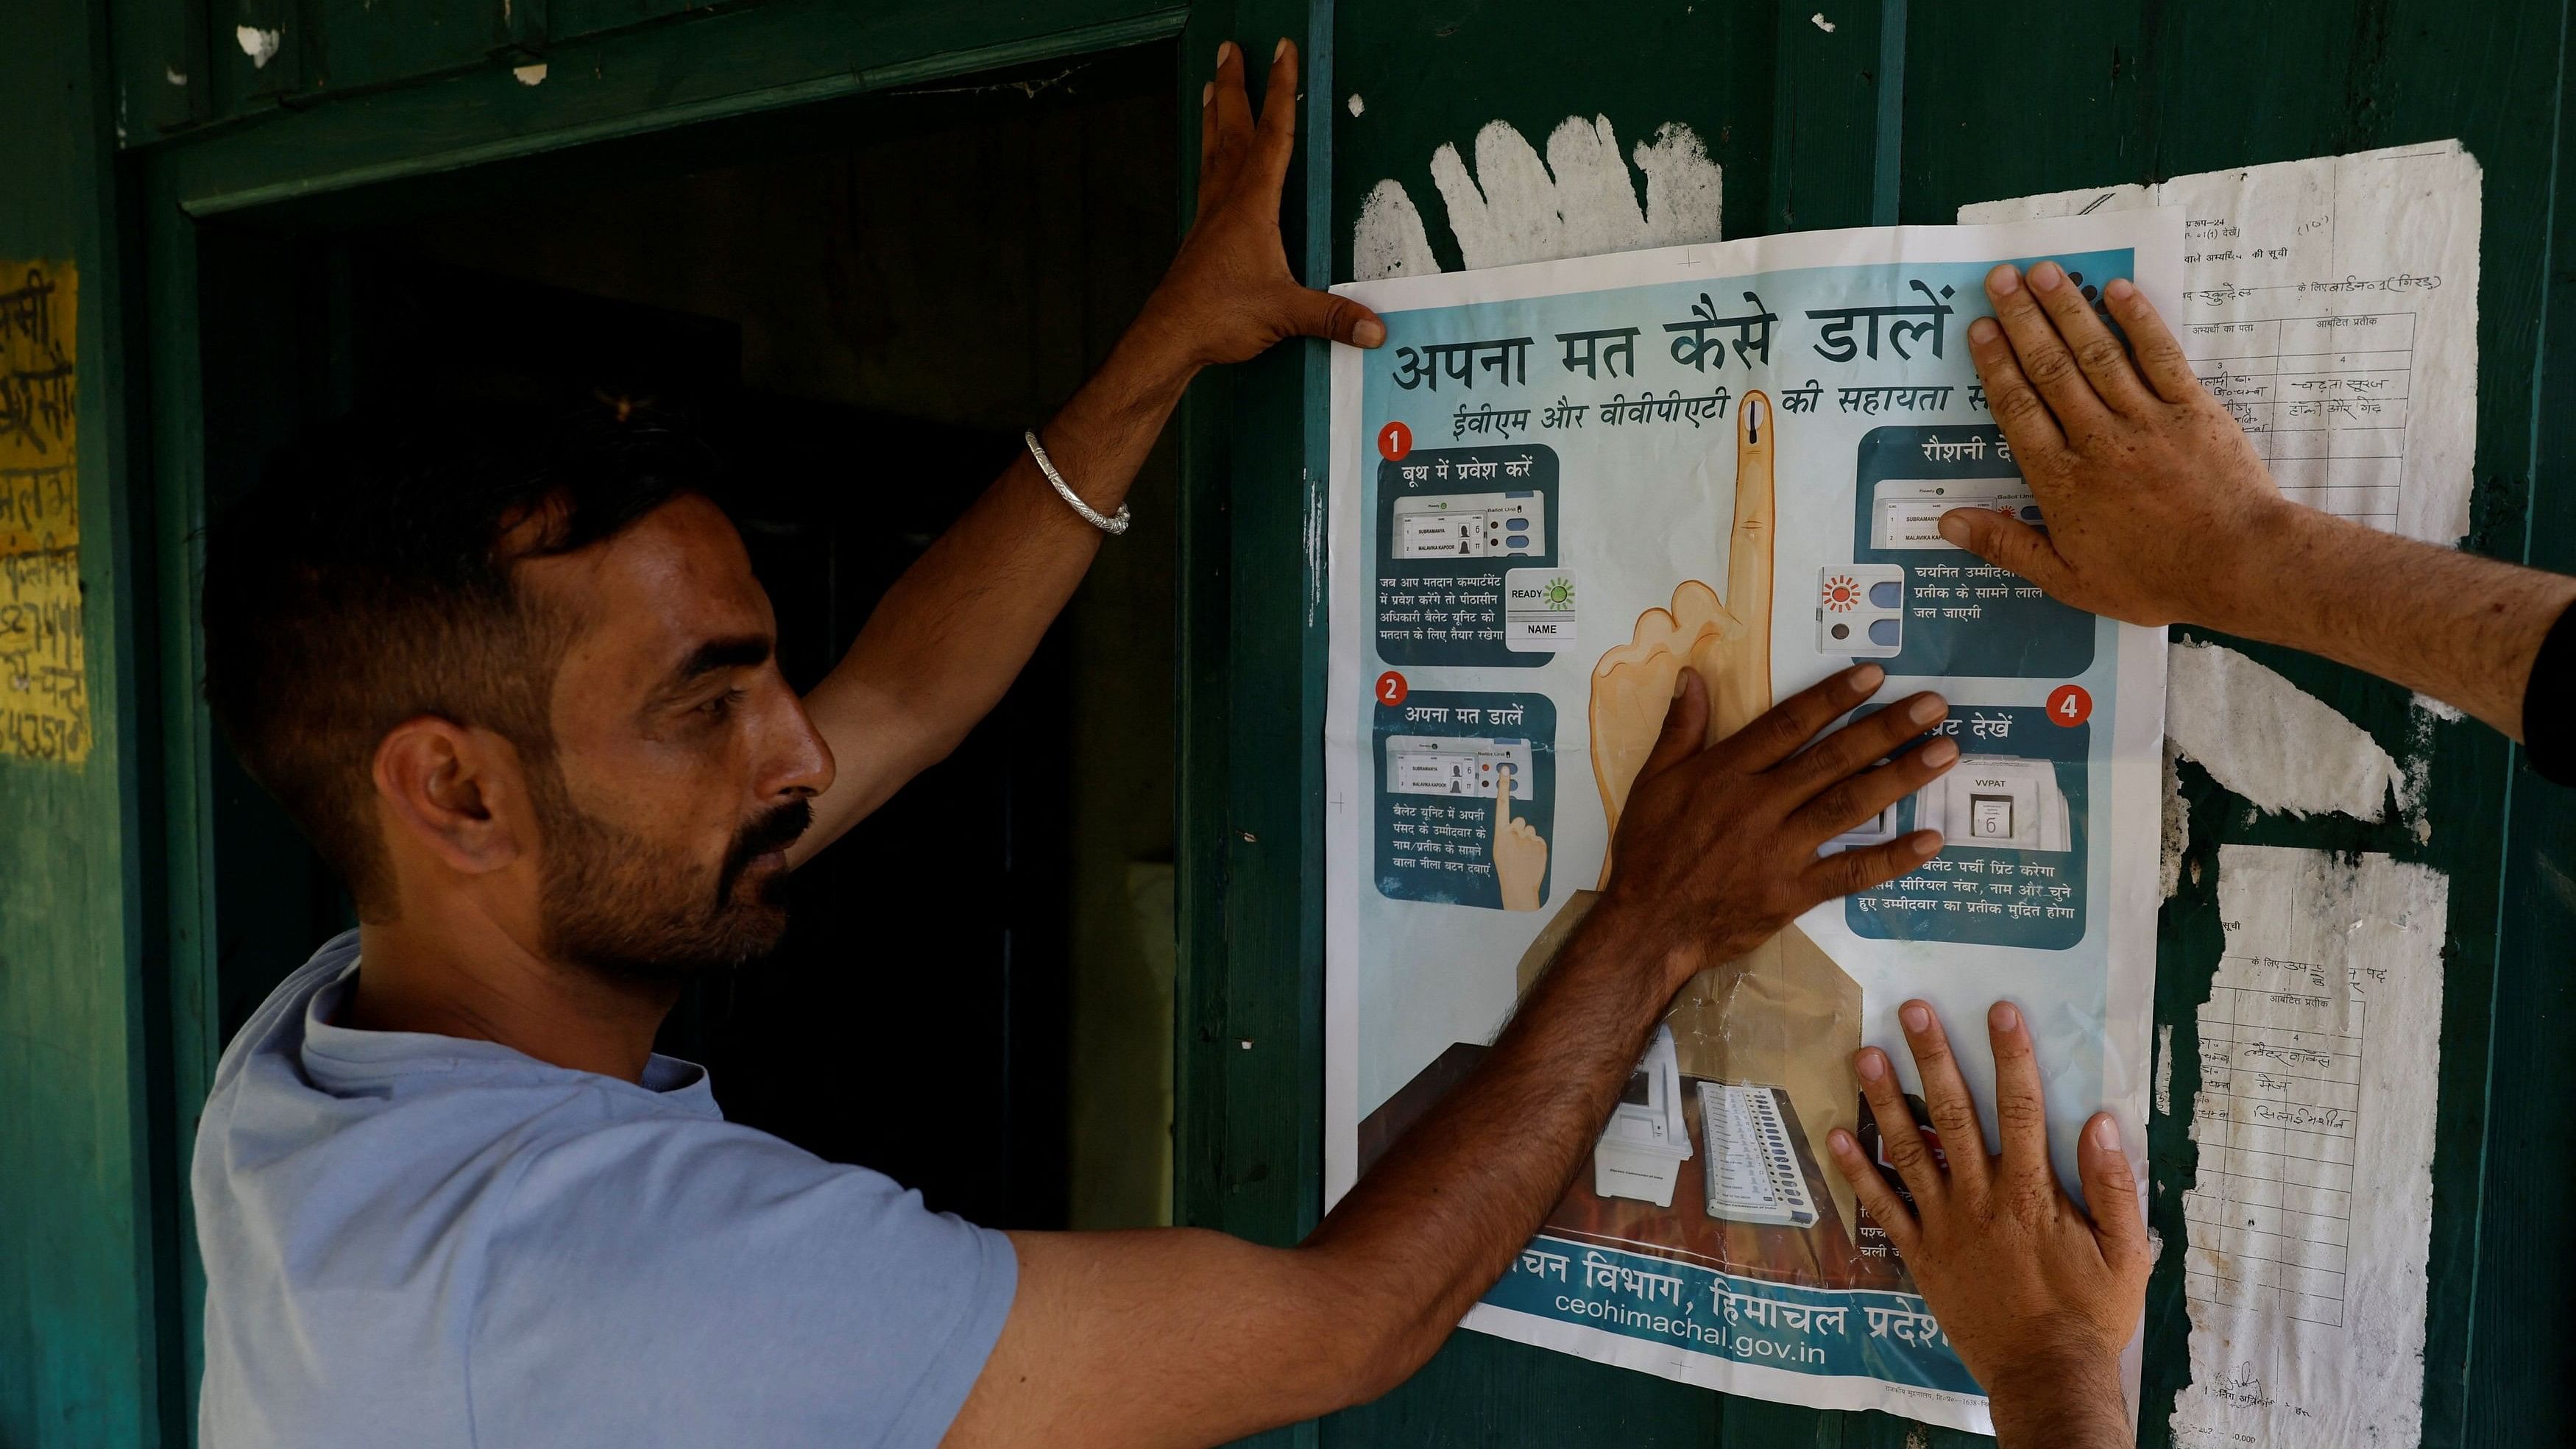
{"type": "Point", "coordinates": [1224, 48]}
{"type": "Point", "coordinates": [2003, 281]}
{"type": "Point", "coordinates": [1926, 841]}
{"type": "Point", "coordinates": [1984, 330]}
{"type": "Point", "coordinates": [2005, 1017]}
{"type": "Point", "coordinates": [1369, 334]}
{"type": "Point", "coordinates": [1843, 1144]}
{"type": "Point", "coordinates": [1207, 93]}
{"type": "Point", "coordinates": [2046, 277]}
{"type": "Point", "coordinates": [2106, 1133]}
{"type": "Point", "coordinates": [1924, 709]}
{"type": "Point", "coordinates": [1916, 1016]}
{"type": "Point", "coordinates": [1871, 1065]}
{"type": "Point", "coordinates": [1940, 752]}
{"type": "Point", "coordinates": [1954, 528]}
{"type": "Point", "coordinates": [1279, 50]}
{"type": "Point", "coordinates": [1865, 678]}
{"type": "Point", "coordinates": [2120, 289]}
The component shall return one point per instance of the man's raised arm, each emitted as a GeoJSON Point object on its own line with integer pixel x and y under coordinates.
{"type": "Point", "coordinates": [955, 630]}
{"type": "Point", "coordinates": [1181, 1337]}
{"type": "Point", "coordinates": [2159, 512]}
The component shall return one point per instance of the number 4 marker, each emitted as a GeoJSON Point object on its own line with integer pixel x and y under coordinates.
{"type": "Point", "coordinates": [2069, 705]}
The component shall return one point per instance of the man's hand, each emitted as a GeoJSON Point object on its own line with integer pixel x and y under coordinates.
{"type": "Point", "coordinates": [1716, 850]}
{"type": "Point", "coordinates": [2038, 1298]}
{"type": "Point", "coordinates": [2153, 496]}
{"type": "Point", "coordinates": [909, 690]}
{"type": "Point", "coordinates": [1187, 1338]}
{"type": "Point", "coordinates": [1229, 294]}
{"type": "Point", "coordinates": [2159, 512]}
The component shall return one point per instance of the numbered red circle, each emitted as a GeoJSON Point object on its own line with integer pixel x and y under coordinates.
{"type": "Point", "coordinates": [1391, 688]}
{"type": "Point", "coordinates": [2069, 705]}
{"type": "Point", "coordinates": [1394, 441]}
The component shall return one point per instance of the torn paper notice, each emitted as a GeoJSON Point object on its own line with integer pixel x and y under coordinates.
{"type": "Point", "coordinates": [2311, 1215]}
{"type": "Point", "coordinates": [2332, 304]}
{"type": "Point", "coordinates": [2270, 741]}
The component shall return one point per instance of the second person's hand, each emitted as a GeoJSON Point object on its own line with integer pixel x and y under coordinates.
{"type": "Point", "coordinates": [2038, 1297]}
{"type": "Point", "coordinates": [2158, 509]}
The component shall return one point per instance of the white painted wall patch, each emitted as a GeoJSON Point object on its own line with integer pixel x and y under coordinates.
{"type": "Point", "coordinates": [1512, 207]}
{"type": "Point", "coordinates": [260, 45]}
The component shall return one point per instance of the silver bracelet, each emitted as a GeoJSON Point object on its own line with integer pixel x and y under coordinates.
{"type": "Point", "coordinates": [1112, 526]}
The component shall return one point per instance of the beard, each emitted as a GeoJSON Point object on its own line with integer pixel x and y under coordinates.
{"type": "Point", "coordinates": [620, 904]}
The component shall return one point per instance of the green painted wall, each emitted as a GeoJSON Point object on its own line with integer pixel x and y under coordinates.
{"type": "Point", "coordinates": [79, 1348]}
{"type": "Point", "coordinates": [1898, 113]}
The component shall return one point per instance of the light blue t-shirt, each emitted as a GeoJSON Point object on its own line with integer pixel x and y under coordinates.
{"type": "Point", "coordinates": [420, 1240]}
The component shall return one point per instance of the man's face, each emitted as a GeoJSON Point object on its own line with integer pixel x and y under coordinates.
{"type": "Point", "coordinates": [683, 762]}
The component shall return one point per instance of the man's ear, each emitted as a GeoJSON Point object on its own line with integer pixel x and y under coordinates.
{"type": "Point", "coordinates": [456, 792]}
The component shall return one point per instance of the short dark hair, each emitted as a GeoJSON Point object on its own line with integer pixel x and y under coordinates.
{"type": "Point", "coordinates": [367, 580]}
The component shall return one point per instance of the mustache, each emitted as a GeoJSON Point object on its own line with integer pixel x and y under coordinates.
{"type": "Point", "coordinates": [773, 830]}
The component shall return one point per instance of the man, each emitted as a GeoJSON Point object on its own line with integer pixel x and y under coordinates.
{"type": "Point", "coordinates": [527, 703]}
{"type": "Point", "coordinates": [2158, 512]}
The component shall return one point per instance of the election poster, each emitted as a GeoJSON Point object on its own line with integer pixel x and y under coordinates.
{"type": "Point", "coordinates": [1555, 486]}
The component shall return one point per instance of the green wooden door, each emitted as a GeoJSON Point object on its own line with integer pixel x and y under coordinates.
{"type": "Point", "coordinates": [84, 1252]}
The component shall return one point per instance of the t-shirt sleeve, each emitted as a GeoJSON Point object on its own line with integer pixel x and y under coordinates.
{"type": "Point", "coordinates": [2549, 704]}
{"type": "Point", "coordinates": [696, 1282]}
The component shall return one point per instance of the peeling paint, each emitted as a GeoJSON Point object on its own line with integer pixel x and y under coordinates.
{"type": "Point", "coordinates": [1513, 207]}
{"type": "Point", "coordinates": [530, 75]}
{"type": "Point", "coordinates": [171, 74]}
{"type": "Point", "coordinates": [2448, 714]}
{"type": "Point", "coordinates": [260, 45]}
{"type": "Point", "coordinates": [1390, 241]}
{"type": "Point", "coordinates": [1357, 105]}
{"type": "Point", "coordinates": [2177, 825]}
{"type": "Point", "coordinates": [1318, 553]}
{"type": "Point", "coordinates": [2164, 1070]}
{"type": "Point", "coordinates": [1819, 21]}
{"type": "Point", "coordinates": [2273, 743]}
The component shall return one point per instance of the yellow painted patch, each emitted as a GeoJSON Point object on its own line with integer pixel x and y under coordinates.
{"type": "Point", "coordinates": [44, 676]}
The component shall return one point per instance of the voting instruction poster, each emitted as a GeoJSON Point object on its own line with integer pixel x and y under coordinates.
{"type": "Point", "coordinates": [1554, 486]}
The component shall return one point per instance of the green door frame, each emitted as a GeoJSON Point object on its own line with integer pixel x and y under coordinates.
{"type": "Point", "coordinates": [1252, 480]}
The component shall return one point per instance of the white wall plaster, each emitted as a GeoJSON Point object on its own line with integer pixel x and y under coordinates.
{"type": "Point", "coordinates": [530, 75]}
{"type": "Point", "coordinates": [1580, 201]}
{"type": "Point", "coordinates": [260, 45]}
{"type": "Point", "coordinates": [1357, 105]}
{"type": "Point", "coordinates": [2164, 1070]}
{"type": "Point", "coordinates": [1819, 21]}
{"type": "Point", "coordinates": [2272, 742]}
{"type": "Point", "coordinates": [2177, 824]}
{"type": "Point", "coordinates": [171, 74]}
{"type": "Point", "coordinates": [1390, 241]}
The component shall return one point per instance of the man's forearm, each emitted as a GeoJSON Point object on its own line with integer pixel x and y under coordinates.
{"type": "Point", "coordinates": [2073, 1402]}
{"type": "Point", "coordinates": [946, 641]}
{"type": "Point", "coordinates": [2453, 625]}
{"type": "Point", "coordinates": [1439, 1218]}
